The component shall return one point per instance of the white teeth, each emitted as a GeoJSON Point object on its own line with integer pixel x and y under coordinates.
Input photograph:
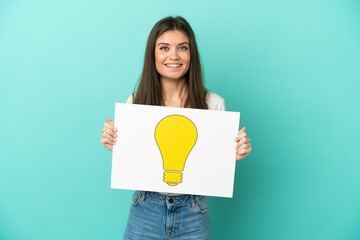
{"type": "Point", "coordinates": [172, 65]}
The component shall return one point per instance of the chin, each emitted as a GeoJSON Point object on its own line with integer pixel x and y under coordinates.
{"type": "Point", "coordinates": [174, 78]}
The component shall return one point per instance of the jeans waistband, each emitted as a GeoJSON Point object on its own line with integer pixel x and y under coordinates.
{"type": "Point", "coordinates": [165, 200]}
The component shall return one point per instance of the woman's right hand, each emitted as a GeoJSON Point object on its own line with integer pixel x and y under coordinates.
{"type": "Point", "coordinates": [109, 136]}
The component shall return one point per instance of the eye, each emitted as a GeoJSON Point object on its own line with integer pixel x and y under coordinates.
{"type": "Point", "coordinates": [164, 48]}
{"type": "Point", "coordinates": [184, 48]}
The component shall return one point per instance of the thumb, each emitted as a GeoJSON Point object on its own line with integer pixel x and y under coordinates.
{"type": "Point", "coordinates": [242, 130]}
{"type": "Point", "coordinates": [109, 121]}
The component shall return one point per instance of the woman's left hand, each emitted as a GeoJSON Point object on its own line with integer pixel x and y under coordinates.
{"type": "Point", "coordinates": [243, 145]}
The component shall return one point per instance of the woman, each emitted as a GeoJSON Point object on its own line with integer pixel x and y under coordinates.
{"type": "Point", "coordinates": [172, 76]}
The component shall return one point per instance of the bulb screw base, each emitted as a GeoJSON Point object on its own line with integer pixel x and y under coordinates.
{"type": "Point", "coordinates": [172, 178]}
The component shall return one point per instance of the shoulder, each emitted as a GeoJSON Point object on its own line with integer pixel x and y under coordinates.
{"type": "Point", "coordinates": [215, 102]}
{"type": "Point", "coordinates": [129, 100]}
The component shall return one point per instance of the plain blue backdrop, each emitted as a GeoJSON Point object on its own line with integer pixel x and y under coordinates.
{"type": "Point", "coordinates": [292, 68]}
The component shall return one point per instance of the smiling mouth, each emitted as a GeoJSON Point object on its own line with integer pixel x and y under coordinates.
{"type": "Point", "coordinates": [173, 65]}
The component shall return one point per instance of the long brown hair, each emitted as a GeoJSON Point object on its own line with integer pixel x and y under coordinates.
{"type": "Point", "coordinates": [149, 87]}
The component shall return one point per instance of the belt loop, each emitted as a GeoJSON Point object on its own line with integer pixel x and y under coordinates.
{"type": "Point", "coordinates": [142, 196]}
{"type": "Point", "coordinates": [192, 201]}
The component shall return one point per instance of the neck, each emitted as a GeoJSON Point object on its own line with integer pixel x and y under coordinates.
{"type": "Point", "coordinates": [174, 92]}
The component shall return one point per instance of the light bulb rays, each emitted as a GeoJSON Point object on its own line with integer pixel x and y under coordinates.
{"type": "Point", "coordinates": [175, 136]}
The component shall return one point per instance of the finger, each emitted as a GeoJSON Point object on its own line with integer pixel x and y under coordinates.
{"type": "Point", "coordinates": [109, 121]}
{"type": "Point", "coordinates": [242, 156]}
{"type": "Point", "coordinates": [109, 131]}
{"type": "Point", "coordinates": [113, 139]}
{"type": "Point", "coordinates": [106, 141]}
{"type": "Point", "coordinates": [108, 136]}
{"type": "Point", "coordinates": [241, 140]}
{"type": "Point", "coordinates": [109, 126]}
{"type": "Point", "coordinates": [243, 146]}
{"type": "Point", "coordinates": [242, 130]}
{"type": "Point", "coordinates": [244, 151]}
{"type": "Point", "coordinates": [240, 136]}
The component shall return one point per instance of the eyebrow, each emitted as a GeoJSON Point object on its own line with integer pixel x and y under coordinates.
{"type": "Point", "coordinates": [169, 44]}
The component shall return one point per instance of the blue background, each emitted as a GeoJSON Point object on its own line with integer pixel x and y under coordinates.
{"type": "Point", "coordinates": [292, 68]}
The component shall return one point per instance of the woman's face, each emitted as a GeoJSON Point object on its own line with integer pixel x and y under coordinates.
{"type": "Point", "coordinates": [172, 55]}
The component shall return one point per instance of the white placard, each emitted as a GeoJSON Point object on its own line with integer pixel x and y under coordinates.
{"type": "Point", "coordinates": [196, 148]}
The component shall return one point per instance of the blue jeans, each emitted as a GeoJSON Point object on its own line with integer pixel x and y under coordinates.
{"type": "Point", "coordinates": [155, 216]}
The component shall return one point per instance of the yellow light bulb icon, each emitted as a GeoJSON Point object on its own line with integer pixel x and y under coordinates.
{"type": "Point", "coordinates": [175, 136]}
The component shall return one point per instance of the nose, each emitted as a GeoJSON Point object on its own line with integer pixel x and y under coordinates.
{"type": "Point", "coordinates": [174, 54]}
